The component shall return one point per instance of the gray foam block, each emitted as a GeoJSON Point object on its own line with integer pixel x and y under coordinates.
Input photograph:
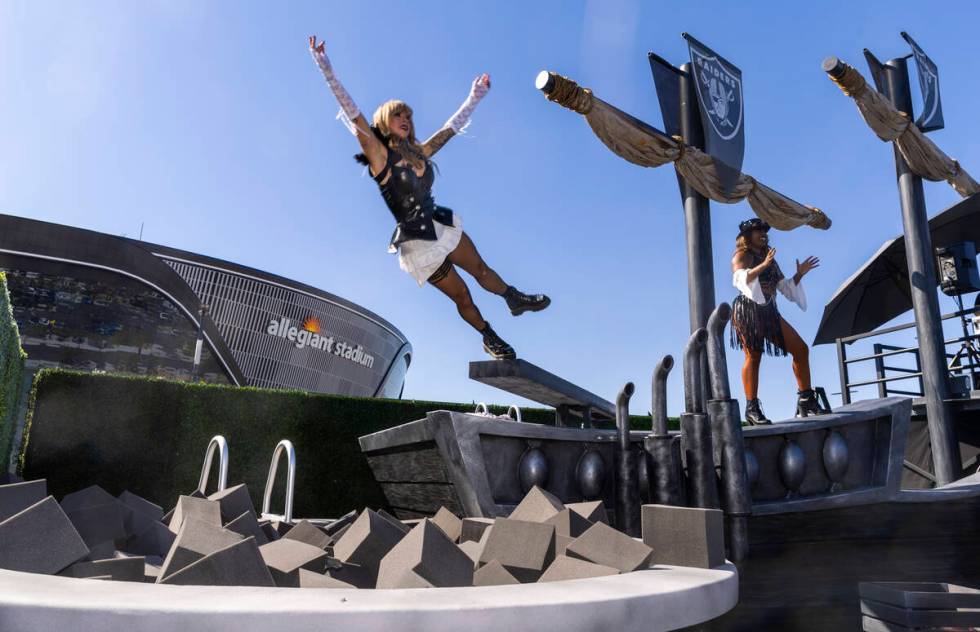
{"type": "Point", "coordinates": [309, 579]}
{"type": "Point", "coordinates": [202, 509]}
{"type": "Point", "coordinates": [167, 517]}
{"type": "Point", "coordinates": [593, 511]}
{"type": "Point", "coordinates": [155, 540]}
{"type": "Point", "coordinates": [234, 501]}
{"type": "Point", "coordinates": [352, 574]}
{"type": "Point", "coordinates": [570, 568]}
{"type": "Point", "coordinates": [473, 528]}
{"type": "Point", "coordinates": [285, 557]}
{"type": "Point", "coordinates": [344, 521]}
{"type": "Point", "coordinates": [98, 524]}
{"type": "Point", "coordinates": [537, 506]}
{"type": "Point", "coordinates": [395, 521]}
{"type": "Point", "coordinates": [195, 540]}
{"type": "Point", "coordinates": [91, 495]}
{"type": "Point", "coordinates": [425, 557]}
{"type": "Point", "coordinates": [367, 540]}
{"type": "Point", "coordinates": [601, 544]}
{"type": "Point", "coordinates": [17, 497]}
{"type": "Point", "coordinates": [307, 532]}
{"type": "Point", "coordinates": [151, 572]}
{"type": "Point", "coordinates": [122, 569]}
{"type": "Point", "coordinates": [237, 565]}
{"type": "Point", "coordinates": [248, 525]}
{"type": "Point", "coordinates": [524, 548]}
{"type": "Point", "coordinates": [561, 543]}
{"type": "Point", "coordinates": [101, 551]}
{"type": "Point", "coordinates": [40, 539]}
{"type": "Point", "coordinates": [450, 524]}
{"type": "Point", "coordinates": [493, 574]}
{"type": "Point", "coordinates": [142, 505]}
{"type": "Point", "coordinates": [569, 523]}
{"type": "Point", "coordinates": [684, 536]}
{"type": "Point", "coordinates": [473, 550]}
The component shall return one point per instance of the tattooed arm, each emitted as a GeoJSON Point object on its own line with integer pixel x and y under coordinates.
{"type": "Point", "coordinates": [458, 121]}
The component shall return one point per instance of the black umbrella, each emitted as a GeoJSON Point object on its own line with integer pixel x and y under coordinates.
{"type": "Point", "coordinates": [879, 290]}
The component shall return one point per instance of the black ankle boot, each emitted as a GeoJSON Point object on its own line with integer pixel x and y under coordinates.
{"type": "Point", "coordinates": [807, 404]}
{"type": "Point", "coordinates": [754, 414]}
{"type": "Point", "coordinates": [519, 302]}
{"type": "Point", "coordinates": [495, 345]}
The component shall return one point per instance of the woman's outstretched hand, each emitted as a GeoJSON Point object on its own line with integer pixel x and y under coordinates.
{"type": "Point", "coordinates": [316, 48]}
{"type": "Point", "coordinates": [808, 264]}
{"type": "Point", "coordinates": [481, 85]}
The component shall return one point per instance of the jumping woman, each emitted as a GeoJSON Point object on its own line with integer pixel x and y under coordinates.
{"type": "Point", "coordinates": [756, 323]}
{"type": "Point", "coordinates": [429, 239]}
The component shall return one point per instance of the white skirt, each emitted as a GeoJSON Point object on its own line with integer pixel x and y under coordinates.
{"type": "Point", "coordinates": [422, 257]}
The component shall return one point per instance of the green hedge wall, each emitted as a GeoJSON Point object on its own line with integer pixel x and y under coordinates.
{"type": "Point", "coordinates": [11, 370]}
{"type": "Point", "coordinates": [148, 435]}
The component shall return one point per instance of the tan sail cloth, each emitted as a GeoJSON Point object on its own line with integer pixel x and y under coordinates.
{"type": "Point", "coordinates": [925, 159]}
{"type": "Point", "coordinates": [639, 143]}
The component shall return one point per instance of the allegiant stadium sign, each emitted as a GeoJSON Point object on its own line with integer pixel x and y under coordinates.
{"type": "Point", "coordinates": [308, 335]}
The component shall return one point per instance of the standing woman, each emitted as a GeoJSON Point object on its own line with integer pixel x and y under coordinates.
{"type": "Point", "coordinates": [429, 239]}
{"type": "Point", "coordinates": [756, 323]}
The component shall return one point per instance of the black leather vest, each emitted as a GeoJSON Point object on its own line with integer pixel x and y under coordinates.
{"type": "Point", "coordinates": [409, 198]}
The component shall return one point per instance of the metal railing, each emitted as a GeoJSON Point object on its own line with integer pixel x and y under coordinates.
{"type": "Point", "coordinates": [883, 378]}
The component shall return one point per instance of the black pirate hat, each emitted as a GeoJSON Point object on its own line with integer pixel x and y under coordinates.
{"type": "Point", "coordinates": [749, 225]}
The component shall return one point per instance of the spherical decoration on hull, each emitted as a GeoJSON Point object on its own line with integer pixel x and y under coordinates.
{"type": "Point", "coordinates": [590, 474]}
{"type": "Point", "coordinates": [835, 458]}
{"type": "Point", "coordinates": [533, 469]}
{"type": "Point", "coordinates": [792, 466]}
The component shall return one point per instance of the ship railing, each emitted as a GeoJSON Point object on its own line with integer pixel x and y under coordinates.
{"type": "Point", "coordinates": [885, 374]}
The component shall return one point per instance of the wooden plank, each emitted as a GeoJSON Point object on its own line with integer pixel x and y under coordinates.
{"type": "Point", "coordinates": [420, 463]}
{"type": "Point", "coordinates": [532, 382]}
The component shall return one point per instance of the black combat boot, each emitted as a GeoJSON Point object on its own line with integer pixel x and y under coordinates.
{"type": "Point", "coordinates": [519, 302]}
{"type": "Point", "coordinates": [807, 404]}
{"type": "Point", "coordinates": [495, 345]}
{"type": "Point", "coordinates": [754, 414]}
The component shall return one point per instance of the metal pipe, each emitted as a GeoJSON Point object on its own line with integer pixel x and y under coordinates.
{"type": "Point", "coordinates": [283, 447]}
{"type": "Point", "coordinates": [217, 443]}
{"type": "Point", "coordinates": [696, 433]}
{"type": "Point", "coordinates": [717, 364]}
{"type": "Point", "coordinates": [834, 67]}
{"type": "Point", "coordinates": [627, 469]}
{"type": "Point", "coordinates": [514, 412]}
{"type": "Point", "coordinates": [658, 398]}
{"type": "Point", "coordinates": [925, 303]}
{"type": "Point", "coordinates": [693, 396]}
{"type": "Point", "coordinates": [729, 449]}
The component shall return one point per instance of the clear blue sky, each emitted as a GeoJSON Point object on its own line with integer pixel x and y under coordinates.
{"type": "Point", "coordinates": [209, 122]}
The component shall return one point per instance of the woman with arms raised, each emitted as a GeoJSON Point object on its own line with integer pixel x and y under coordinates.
{"type": "Point", "coordinates": [757, 326]}
{"type": "Point", "coordinates": [428, 238]}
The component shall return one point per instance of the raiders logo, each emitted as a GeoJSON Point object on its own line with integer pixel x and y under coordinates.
{"type": "Point", "coordinates": [931, 117]}
{"type": "Point", "coordinates": [719, 92]}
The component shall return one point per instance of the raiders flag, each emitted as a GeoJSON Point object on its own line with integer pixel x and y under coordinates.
{"type": "Point", "coordinates": [719, 89]}
{"type": "Point", "coordinates": [932, 107]}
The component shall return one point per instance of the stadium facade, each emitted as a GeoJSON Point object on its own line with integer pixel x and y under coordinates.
{"type": "Point", "coordinates": [92, 301]}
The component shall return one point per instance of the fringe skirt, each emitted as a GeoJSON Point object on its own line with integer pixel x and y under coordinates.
{"type": "Point", "coordinates": [756, 326]}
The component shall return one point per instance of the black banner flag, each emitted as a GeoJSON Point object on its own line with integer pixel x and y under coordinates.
{"type": "Point", "coordinates": [719, 90]}
{"type": "Point", "coordinates": [931, 117]}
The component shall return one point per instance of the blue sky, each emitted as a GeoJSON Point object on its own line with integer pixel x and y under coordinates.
{"type": "Point", "coordinates": [208, 122]}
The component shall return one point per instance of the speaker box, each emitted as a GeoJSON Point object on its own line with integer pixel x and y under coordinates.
{"type": "Point", "coordinates": [957, 268]}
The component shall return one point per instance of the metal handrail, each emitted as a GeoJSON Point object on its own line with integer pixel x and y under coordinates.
{"type": "Point", "coordinates": [218, 443]}
{"type": "Point", "coordinates": [485, 409]}
{"type": "Point", "coordinates": [514, 409]}
{"type": "Point", "coordinates": [283, 446]}
{"type": "Point", "coordinates": [885, 351]}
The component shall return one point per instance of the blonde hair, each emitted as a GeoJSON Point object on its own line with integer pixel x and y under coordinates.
{"type": "Point", "coordinates": [410, 149]}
